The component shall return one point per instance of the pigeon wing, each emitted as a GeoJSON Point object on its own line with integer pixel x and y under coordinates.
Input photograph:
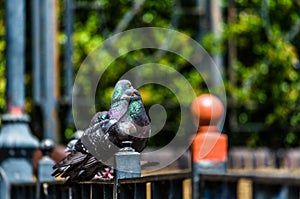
{"type": "Point", "coordinates": [98, 142]}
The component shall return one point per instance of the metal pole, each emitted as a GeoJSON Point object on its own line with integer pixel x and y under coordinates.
{"type": "Point", "coordinates": [216, 29]}
{"type": "Point", "coordinates": [68, 60]}
{"type": "Point", "coordinates": [48, 69]}
{"type": "Point", "coordinates": [16, 141]}
{"type": "Point", "coordinates": [210, 21]}
{"type": "Point", "coordinates": [15, 30]}
{"type": "Point", "coordinates": [232, 55]}
{"type": "Point", "coordinates": [36, 51]}
{"type": "Point", "coordinates": [203, 25]}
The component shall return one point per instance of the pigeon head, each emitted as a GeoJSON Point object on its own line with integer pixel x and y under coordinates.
{"type": "Point", "coordinates": [120, 104]}
{"type": "Point", "coordinates": [120, 87]}
{"type": "Point", "coordinates": [130, 95]}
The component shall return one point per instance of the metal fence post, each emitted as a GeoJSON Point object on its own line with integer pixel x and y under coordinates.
{"type": "Point", "coordinates": [46, 163]}
{"type": "Point", "coordinates": [16, 141]}
{"type": "Point", "coordinates": [127, 165]}
{"type": "Point", "coordinates": [68, 68]}
{"type": "Point", "coordinates": [209, 147]}
{"type": "Point", "coordinates": [49, 89]}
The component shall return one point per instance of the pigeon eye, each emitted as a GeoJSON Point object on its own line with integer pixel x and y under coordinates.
{"type": "Point", "coordinates": [132, 94]}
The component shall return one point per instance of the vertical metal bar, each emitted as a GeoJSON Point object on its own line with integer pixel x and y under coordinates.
{"type": "Point", "coordinates": [76, 191]}
{"type": "Point", "coordinates": [36, 51]}
{"type": "Point", "coordinates": [108, 191]}
{"type": "Point", "coordinates": [63, 192]}
{"type": "Point", "coordinates": [228, 190]}
{"type": "Point", "coordinates": [160, 189]}
{"type": "Point", "coordinates": [68, 59]}
{"type": "Point", "coordinates": [12, 192]}
{"type": "Point", "coordinates": [261, 191]}
{"type": "Point", "coordinates": [32, 191]}
{"type": "Point", "coordinates": [53, 192]}
{"type": "Point", "coordinates": [126, 191]}
{"type": "Point", "coordinates": [15, 54]}
{"type": "Point", "coordinates": [140, 191]}
{"type": "Point", "coordinates": [203, 21]}
{"type": "Point", "coordinates": [70, 193]}
{"type": "Point", "coordinates": [97, 191]}
{"type": "Point", "coordinates": [85, 191]}
{"type": "Point", "coordinates": [232, 54]}
{"type": "Point", "coordinates": [195, 177]}
{"type": "Point", "coordinates": [132, 191]}
{"type": "Point", "coordinates": [47, 56]}
{"type": "Point", "coordinates": [175, 191]}
{"type": "Point", "coordinates": [216, 28]}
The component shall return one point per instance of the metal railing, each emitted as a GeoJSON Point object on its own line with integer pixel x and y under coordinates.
{"type": "Point", "coordinates": [256, 178]}
{"type": "Point", "coordinates": [169, 186]}
{"type": "Point", "coordinates": [268, 184]}
{"type": "Point", "coordinates": [155, 186]}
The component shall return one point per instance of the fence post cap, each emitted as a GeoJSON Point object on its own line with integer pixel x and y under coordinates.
{"type": "Point", "coordinates": [47, 146]}
{"type": "Point", "coordinates": [207, 110]}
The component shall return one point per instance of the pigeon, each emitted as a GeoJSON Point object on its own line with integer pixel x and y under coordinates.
{"type": "Point", "coordinates": [79, 165]}
{"type": "Point", "coordinates": [134, 124]}
{"type": "Point", "coordinates": [126, 120]}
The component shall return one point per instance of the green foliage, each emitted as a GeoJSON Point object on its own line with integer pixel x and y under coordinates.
{"type": "Point", "coordinates": [266, 88]}
{"type": "Point", "coordinates": [267, 70]}
{"type": "Point", "coordinates": [92, 27]}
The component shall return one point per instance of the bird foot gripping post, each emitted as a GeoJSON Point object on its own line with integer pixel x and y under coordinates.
{"type": "Point", "coordinates": [127, 164]}
{"type": "Point", "coordinates": [209, 146]}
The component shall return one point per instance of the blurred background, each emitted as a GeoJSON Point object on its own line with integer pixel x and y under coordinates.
{"type": "Point", "coordinates": [254, 43]}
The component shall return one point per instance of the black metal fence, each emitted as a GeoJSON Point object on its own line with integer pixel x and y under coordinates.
{"type": "Point", "coordinates": [170, 186]}
{"type": "Point", "coordinates": [156, 186]}
{"type": "Point", "coordinates": [268, 184]}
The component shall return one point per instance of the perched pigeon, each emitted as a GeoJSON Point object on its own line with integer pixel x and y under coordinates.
{"type": "Point", "coordinates": [134, 124]}
{"type": "Point", "coordinates": [126, 120]}
{"type": "Point", "coordinates": [79, 165]}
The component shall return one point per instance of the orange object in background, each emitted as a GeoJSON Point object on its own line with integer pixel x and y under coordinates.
{"type": "Point", "coordinates": [209, 145]}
